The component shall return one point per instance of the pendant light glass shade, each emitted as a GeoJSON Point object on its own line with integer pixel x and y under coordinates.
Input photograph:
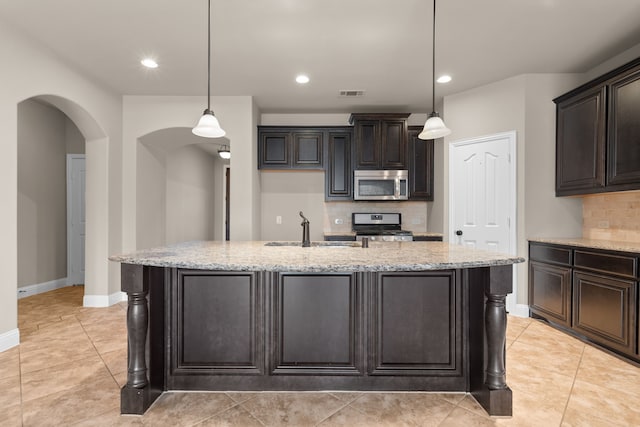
{"type": "Point", "coordinates": [208, 126]}
{"type": "Point", "coordinates": [434, 128]}
{"type": "Point", "coordinates": [224, 153]}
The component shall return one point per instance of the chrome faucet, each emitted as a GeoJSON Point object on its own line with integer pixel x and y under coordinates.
{"type": "Point", "coordinates": [305, 231]}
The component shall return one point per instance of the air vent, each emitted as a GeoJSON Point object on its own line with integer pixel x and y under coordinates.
{"type": "Point", "coordinates": [351, 93]}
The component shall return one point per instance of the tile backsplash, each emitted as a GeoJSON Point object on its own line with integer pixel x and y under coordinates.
{"type": "Point", "coordinates": [337, 215]}
{"type": "Point", "coordinates": [612, 216]}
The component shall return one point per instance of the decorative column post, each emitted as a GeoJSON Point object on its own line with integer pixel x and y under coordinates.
{"type": "Point", "coordinates": [489, 385]}
{"type": "Point", "coordinates": [135, 395]}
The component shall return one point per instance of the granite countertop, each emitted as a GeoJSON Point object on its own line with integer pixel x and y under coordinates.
{"type": "Point", "coordinates": [610, 245]}
{"type": "Point", "coordinates": [321, 257]}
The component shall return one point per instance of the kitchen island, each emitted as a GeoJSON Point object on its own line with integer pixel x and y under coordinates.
{"type": "Point", "coordinates": [425, 316]}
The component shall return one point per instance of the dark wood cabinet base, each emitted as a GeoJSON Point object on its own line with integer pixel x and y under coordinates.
{"type": "Point", "coordinates": [359, 331]}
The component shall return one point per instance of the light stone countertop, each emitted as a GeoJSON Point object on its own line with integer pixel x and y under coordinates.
{"type": "Point", "coordinates": [321, 257]}
{"type": "Point", "coordinates": [610, 245]}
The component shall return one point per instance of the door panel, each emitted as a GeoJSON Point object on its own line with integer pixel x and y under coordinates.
{"type": "Point", "coordinates": [482, 178]}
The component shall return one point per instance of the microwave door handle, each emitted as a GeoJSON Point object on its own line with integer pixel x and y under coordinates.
{"type": "Point", "coordinates": [397, 187]}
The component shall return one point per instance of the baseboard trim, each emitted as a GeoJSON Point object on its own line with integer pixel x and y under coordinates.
{"type": "Point", "coordinates": [39, 288]}
{"type": "Point", "coordinates": [103, 300]}
{"type": "Point", "coordinates": [521, 310]}
{"type": "Point", "coordinates": [9, 339]}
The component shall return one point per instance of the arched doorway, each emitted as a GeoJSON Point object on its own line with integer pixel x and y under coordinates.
{"type": "Point", "coordinates": [180, 188]}
{"type": "Point", "coordinates": [49, 127]}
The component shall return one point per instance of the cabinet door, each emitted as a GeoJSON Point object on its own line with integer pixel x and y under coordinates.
{"type": "Point", "coordinates": [420, 166]}
{"type": "Point", "coordinates": [274, 150]}
{"type": "Point", "coordinates": [403, 303]}
{"type": "Point", "coordinates": [580, 143]}
{"type": "Point", "coordinates": [367, 136]}
{"type": "Point", "coordinates": [623, 144]}
{"type": "Point", "coordinates": [394, 144]}
{"type": "Point", "coordinates": [550, 292]}
{"type": "Point", "coordinates": [307, 150]}
{"type": "Point", "coordinates": [316, 325]}
{"type": "Point", "coordinates": [216, 323]}
{"type": "Point", "coordinates": [604, 309]}
{"type": "Point", "coordinates": [339, 174]}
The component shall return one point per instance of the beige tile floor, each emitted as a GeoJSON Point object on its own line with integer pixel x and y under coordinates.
{"type": "Point", "coordinates": [71, 363]}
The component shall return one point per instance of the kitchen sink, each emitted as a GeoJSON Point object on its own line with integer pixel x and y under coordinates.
{"type": "Point", "coordinates": [321, 244]}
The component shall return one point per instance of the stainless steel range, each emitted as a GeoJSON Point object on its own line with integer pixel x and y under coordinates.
{"type": "Point", "coordinates": [385, 227]}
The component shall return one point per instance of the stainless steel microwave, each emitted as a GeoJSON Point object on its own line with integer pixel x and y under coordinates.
{"type": "Point", "coordinates": [380, 185]}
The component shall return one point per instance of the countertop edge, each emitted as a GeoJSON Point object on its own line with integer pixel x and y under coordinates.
{"type": "Point", "coordinates": [610, 245]}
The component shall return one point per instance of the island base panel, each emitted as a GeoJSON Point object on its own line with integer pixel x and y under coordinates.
{"type": "Point", "coordinates": [478, 317]}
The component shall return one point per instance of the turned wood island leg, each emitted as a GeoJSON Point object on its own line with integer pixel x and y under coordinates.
{"type": "Point", "coordinates": [138, 394]}
{"type": "Point", "coordinates": [489, 324]}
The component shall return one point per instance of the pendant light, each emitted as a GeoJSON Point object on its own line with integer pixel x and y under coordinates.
{"type": "Point", "coordinates": [434, 127]}
{"type": "Point", "coordinates": [208, 125]}
{"type": "Point", "coordinates": [224, 152]}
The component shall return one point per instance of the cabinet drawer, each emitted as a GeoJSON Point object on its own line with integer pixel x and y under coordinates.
{"type": "Point", "coordinates": [606, 263]}
{"type": "Point", "coordinates": [551, 254]}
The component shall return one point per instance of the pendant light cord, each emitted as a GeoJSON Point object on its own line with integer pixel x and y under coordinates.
{"type": "Point", "coordinates": [209, 57]}
{"type": "Point", "coordinates": [433, 61]}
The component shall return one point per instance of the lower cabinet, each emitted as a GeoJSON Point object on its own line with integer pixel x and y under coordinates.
{"type": "Point", "coordinates": [592, 292]}
{"type": "Point", "coordinates": [550, 291]}
{"type": "Point", "coordinates": [317, 326]}
{"type": "Point", "coordinates": [289, 324]}
{"type": "Point", "coordinates": [217, 323]}
{"type": "Point", "coordinates": [605, 310]}
{"type": "Point", "coordinates": [402, 304]}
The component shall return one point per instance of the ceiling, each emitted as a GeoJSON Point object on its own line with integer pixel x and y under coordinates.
{"type": "Point", "coordinates": [381, 47]}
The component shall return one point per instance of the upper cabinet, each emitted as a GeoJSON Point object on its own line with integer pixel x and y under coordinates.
{"type": "Point", "coordinates": [598, 134]}
{"type": "Point", "coordinates": [623, 138]}
{"type": "Point", "coordinates": [290, 148]}
{"type": "Point", "coordinates": [420, 166]}
{"type": "Point", "coordinates": [380, 140]}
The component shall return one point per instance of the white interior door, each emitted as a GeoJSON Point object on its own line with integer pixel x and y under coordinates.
{"type": "Point", "coordinates": [482, 197]}
{"type": "Point", "coordinates": [76, 173]}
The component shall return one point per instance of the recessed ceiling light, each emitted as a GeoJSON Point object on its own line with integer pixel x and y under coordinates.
{"type": "Point", "coordinates": [444, 79]}
{"type": "Point", "coordinates": [302, 79]}
{"type": "Point", "coordinates": [149, 63]}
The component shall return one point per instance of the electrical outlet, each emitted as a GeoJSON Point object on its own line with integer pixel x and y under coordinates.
{"type": "Point", "coordinates": [278, 220]}
{"type": "Point", "coordinates": [416, 221]}
{"type": "Point", "coordinates": [603, 224]}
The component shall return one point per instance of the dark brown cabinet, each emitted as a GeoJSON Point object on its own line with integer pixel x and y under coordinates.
{"type": "Point", "coordinates": [339, 166]}
{"type": "Point", "coordinates": [605, 310]}
{"type": "Point", "coordinates": [380, 140]}
{"type": "Point", "coordinates": [218, 314]}
{"type": "Point", "coordinates": [420, 165]}
{"type": "Point", "coordinates": [317, 325]}
{"type": "Point", "coordinates": [402, 303]}
{"type": "Point", "coordinates": [598, 134]}
{"type": "Point", "coordinates": [550, 291]}
{"type": "Point", "coordinates": [591, 292]}
{"type": "Point", "coordinates": [290, 148]}
{"type": "Point", "coordinates": [580, 143]}
{"type": "Point", "coordinates": [623, 150]}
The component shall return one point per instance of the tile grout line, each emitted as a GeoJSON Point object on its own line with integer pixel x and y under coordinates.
{"type": "Point", "coordinates": [338, 410]}
{"type": "Point", "coordinates": [575, 376]}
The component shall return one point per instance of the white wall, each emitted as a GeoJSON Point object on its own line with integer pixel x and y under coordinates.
{"type": "Point", "coordinates": [34, 72]}
{"type": "Point", "coordinates": [524, 104]}
{"type": "Point", "coordinates": [285, 194]}
{"type": "Point", "coordinates": [191, 174]}
{"type": "Point", "coordinates": [42, 206]}
{"type": "Point", "coordinates": [144, 115]}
